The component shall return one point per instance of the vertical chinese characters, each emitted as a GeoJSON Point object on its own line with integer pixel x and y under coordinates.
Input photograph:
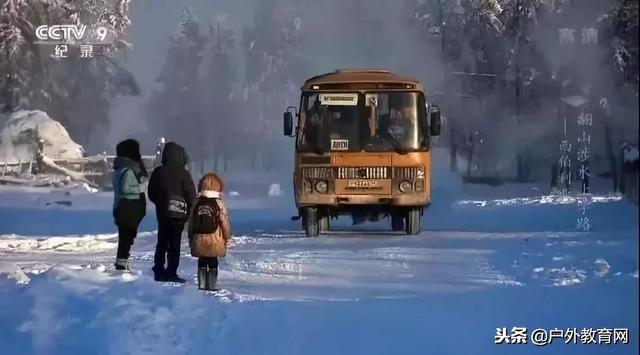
{"type": "Point", "coordinates": [583, 156]}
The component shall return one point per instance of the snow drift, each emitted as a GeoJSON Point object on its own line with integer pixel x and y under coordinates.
{"type": "Point", "coordinates": [19, 132]}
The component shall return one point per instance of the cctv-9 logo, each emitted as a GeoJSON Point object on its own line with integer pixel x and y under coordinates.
{"type": "Point", "coordinates": [102, 35]}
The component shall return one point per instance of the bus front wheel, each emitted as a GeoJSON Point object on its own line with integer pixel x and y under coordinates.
{"type": "Point", "coordinates": [414, 221]}
{"type": "Point", "coordinates": [310, 221]}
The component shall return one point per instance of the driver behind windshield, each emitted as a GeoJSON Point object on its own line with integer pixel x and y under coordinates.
{"type": "Point", "coordinates": [389, 128]}
{"type": "Point", "coordinates": [400, 123]}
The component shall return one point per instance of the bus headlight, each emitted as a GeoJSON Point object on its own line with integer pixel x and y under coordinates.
{"type": "Point", "coordinates": [322, 186]}
{"type": "Point", "coordinates": [404, 186]}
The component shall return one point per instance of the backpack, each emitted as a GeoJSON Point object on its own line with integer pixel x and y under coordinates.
{"type": "Point", "coordinates": [177, 208]}
{"type": "Point", "coordinates": [205, 216]}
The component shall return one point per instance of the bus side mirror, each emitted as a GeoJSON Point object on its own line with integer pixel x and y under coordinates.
{"type": "Point", "coordinates": [434, 120]}
{"type": "Point", "coordinates": [288, 124]}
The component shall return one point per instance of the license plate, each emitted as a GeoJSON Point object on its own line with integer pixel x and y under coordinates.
{"type": "Point", "coordinates": [362, 183]}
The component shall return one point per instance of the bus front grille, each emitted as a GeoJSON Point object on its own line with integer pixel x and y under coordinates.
{"type": "Point", "coordinates": [365, 172]}
{"type": "Point", "coordinates": [316, 173]}
{"type": "Point", "coordinates": [408, 173]}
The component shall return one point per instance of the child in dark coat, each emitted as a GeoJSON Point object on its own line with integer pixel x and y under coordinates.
{"type": "Point", "coordinates": [172, 191]}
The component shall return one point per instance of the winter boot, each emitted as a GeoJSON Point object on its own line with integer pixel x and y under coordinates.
{"type": "Point", "coordinates": [121, 264]}
{"type": "Point", "coordinates": [212, 279]}
{"type": "Point", "coordinates": [176, 279]}
{"type": "Point", "coordinates": [159, 274]}
{"type": "Point", "coordinates": [202, 278]}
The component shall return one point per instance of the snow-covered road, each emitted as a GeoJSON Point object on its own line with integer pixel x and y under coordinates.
{"type": "Point", "coordinates": [478, 266]}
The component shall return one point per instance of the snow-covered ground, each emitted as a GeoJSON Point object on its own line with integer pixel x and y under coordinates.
{"type": "Point", "coordinates": [480, 264]}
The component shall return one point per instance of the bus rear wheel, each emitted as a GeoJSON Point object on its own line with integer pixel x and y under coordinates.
{"type": "Point", "coordinates": [414, 221]}
{"type": "Point", "coordinates": [310, 221]}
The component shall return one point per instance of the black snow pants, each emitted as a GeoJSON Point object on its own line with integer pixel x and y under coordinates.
{"type": "Point", "coordinates": [128, 216]}
{"type": "Point", "coordinates": [169, 238]}
{"type": "Point", "coordinates": [126, 236]}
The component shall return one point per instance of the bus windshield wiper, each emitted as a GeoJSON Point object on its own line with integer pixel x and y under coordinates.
{"type": "Point", "coordinates": [394, 142]}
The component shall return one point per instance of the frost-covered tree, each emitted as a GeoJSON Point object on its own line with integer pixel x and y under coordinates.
{"type": "Point", "coordinates": [497, 40]}
{"type": "Point", "coordinates": [175, 105]}
{"type": "Point", "coordinates": [620, 27]}
{"type": "Point", "coordinates": [94, 83]}
{"type": "Point", "coordinates": [75, 91]}
{"type": "Point", "coordinates": [274, 67]}
{"type": "Point", "coordinates": [18, 54]}
{"type": "Point", "coordinates": [459, 24]}
{"type": "Point", "coordinates": [219, 111]}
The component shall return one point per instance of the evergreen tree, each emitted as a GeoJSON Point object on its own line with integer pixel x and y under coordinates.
{"type": "Point", "coordinates": [75, 91]}
{"type": "Point", "coordinates": [274, 67]}
{"type": "Point", "coordinates": [174, 108]}
{"type": "Point", "coordinates": [219, 111]}
{"type": "Point", "coordinates": [21, 64]}
{"type": "Point", "coordinates": [620, 27]}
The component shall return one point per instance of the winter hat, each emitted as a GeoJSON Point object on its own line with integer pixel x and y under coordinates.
{"type": "Point", "coordinates": [210, 182]}
{"type": "Point", "coordinates": [129, 148]}
{"type": "Point", "coordinates": [174, 154]}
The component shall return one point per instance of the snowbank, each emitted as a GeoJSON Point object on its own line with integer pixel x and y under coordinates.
{"type": "Point", "coordinates": [18, 132]}
{"type": "Point", "coordinates": [13, 271]}
{"type": "Point", "coordinates": [68, 244]}
{"type": "Point", "coordinates": [540, 200]}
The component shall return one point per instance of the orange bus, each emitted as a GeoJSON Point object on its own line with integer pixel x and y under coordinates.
{"type": "Point", "coordinates": [362, 148]}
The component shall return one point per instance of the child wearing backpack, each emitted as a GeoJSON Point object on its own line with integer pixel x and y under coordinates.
{"type": "Point", "coordinates": [172, 191]}
{"type": "Point", "coordinates": [209, 230]}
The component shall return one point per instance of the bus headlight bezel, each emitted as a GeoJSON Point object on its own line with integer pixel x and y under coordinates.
{"type": "Point", "coordinates": [405, 186]}
{"type": "Point", "coordinates": [322, 186]}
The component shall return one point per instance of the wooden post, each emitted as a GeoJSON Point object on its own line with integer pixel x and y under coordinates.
{"type": "Point", "coordinates": [39, 156]}
{"type": "Point", "coordinates": [611, 155]}
{"type": "Point", "coordinates": [470, 146]}
{"type": "Point", "coordinates": [554, 176]}
{"type": "Point", "coordinates": [453, 150]}
{"type": "Point", "coordinates": [623, 172]}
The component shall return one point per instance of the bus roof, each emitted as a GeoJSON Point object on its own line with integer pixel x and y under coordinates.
{"type": "Point", "coordinates": [361, 76]}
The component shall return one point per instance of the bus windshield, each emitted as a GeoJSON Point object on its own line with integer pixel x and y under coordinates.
{"type": "Point", "coordinates": [373, 122]}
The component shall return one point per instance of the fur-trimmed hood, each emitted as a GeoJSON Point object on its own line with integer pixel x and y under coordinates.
{"type": "Point", "coordinates": [210, 194]}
